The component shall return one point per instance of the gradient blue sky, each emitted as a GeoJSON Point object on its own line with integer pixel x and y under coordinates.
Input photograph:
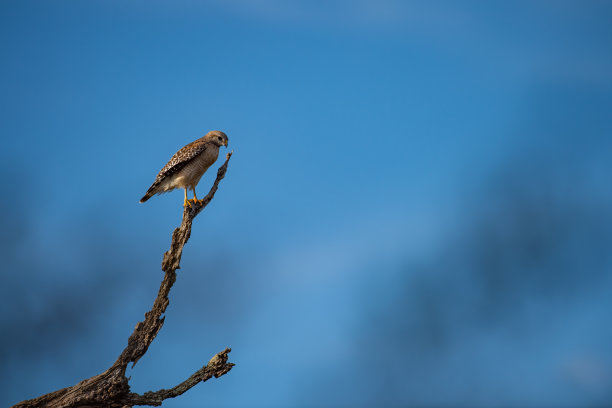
{"type": "Point", "coordinates": [377, 145]}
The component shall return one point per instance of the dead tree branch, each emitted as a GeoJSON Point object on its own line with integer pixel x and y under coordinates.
{"type": "Point", "coordinates": [111, 388]}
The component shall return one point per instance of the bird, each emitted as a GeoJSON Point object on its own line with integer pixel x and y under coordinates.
{"type": "Point", "coordinates": [187, 166]}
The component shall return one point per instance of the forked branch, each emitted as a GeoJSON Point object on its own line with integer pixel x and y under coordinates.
{"type": "Point", "coordinates": [111, 388]}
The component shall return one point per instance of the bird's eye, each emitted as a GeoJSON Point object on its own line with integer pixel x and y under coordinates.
{"type": "Point", "coordinates": [219, 138]}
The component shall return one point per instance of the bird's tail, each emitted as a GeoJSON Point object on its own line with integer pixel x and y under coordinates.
{"type": "Point", "coordinates": [151, 191]}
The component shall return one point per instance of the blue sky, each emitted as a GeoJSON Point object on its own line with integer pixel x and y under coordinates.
{"type": "Point", "coordinates": [431, 178]}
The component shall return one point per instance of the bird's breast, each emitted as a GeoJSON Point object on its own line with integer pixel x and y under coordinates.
{"type": "Point", "coordinates": [207, 158]}
{"type": "Point", "coordinates": [192, 173]}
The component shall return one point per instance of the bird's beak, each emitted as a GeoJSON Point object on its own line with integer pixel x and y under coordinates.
{"type": "Point", "coordinates": [226, 143]}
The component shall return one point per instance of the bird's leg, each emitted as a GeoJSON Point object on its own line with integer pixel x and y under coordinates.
{"type": "Point", "coordinates": [196, 200]}
{"type": "Point", "coordinates": [186, 202]}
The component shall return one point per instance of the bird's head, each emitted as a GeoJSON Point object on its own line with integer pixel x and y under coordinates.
{"type": "Point", "coordinates": [217, 137]}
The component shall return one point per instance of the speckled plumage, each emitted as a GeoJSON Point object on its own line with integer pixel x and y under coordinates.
{"type": "Point", "coordinates": [187, 166]}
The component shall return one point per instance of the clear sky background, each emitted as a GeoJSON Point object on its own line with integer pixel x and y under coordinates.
{"type": "Point", "coordinates": [418, 210]}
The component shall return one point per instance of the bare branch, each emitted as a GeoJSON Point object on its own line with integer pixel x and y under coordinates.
{"type": "Point", "coordinates": [111, 388]}
{"type": "Point", "coordinates": [216, 367]}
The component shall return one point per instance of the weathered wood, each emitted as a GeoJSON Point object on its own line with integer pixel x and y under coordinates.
{"type": "Point", "coordinates": [111, 388]}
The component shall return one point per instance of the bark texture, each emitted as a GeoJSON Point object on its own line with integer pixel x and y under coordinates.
{"type": "Point", "coordinates": [111, 388]}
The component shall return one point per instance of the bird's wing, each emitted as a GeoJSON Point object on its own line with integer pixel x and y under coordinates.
{"type": "Point", "coordinates": [179, 161]}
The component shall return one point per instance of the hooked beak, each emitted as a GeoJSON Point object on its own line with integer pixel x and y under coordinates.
{"type": "Point", "coordinates": [226, 141]}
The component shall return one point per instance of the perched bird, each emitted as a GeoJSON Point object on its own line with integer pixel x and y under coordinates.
{"type": "Point", "coordinates": [187, 166]}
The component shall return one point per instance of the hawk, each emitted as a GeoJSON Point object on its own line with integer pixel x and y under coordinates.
{"type": "Point", "coordinates": [187, 166]}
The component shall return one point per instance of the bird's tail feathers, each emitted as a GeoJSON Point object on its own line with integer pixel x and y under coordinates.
{"type": "Point", "coordinates": [150, 193]}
